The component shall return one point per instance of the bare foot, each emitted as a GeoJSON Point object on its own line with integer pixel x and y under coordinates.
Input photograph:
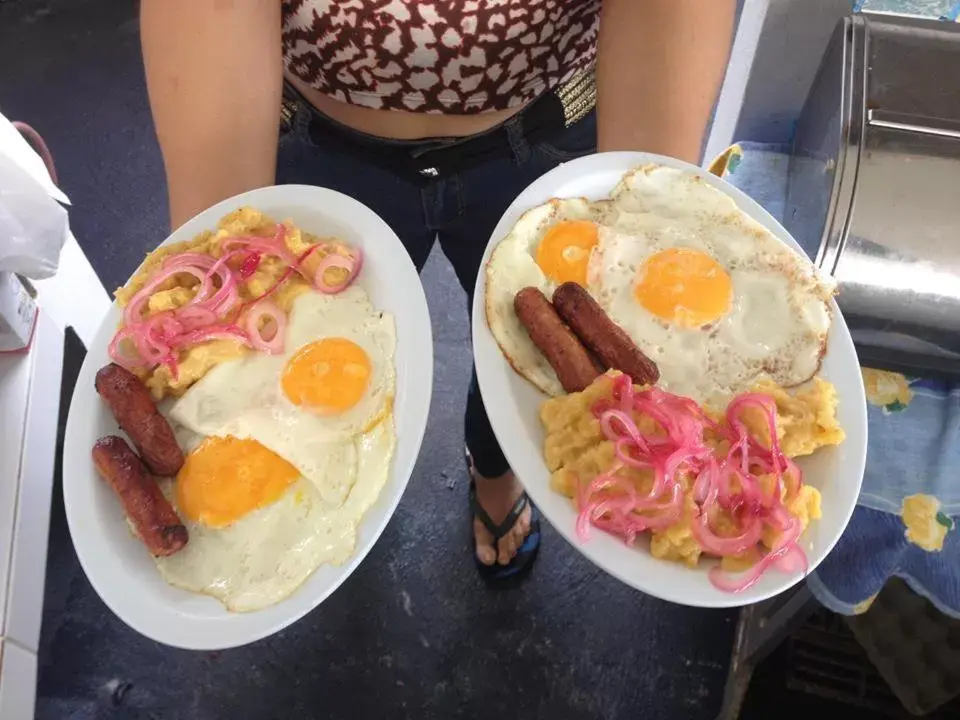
{"type": "Point", "coordinates": [497, 496]}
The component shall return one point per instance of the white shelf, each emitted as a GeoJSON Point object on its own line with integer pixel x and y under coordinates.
{"type": "Point", "coordinates": [14, 391]}
{"type": "Point", "coordinates": [29, 557]}
{"type": "Point", "coordinates": [18, 682]}
{"type": "Point", "coordinates": [29, 408]}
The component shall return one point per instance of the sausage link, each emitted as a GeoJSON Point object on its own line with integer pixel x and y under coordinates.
{"type": "Point", "coordinates": [154, 520]}
{"type": "Point", "coordinates": [565, 353]}
{"type": "Point", "coordinates": [600, 334]}
{"type": "Point", "coordinates": [134, 409]}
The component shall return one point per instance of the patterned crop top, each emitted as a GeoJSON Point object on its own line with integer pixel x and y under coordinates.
{"type": "Point", "coordinates": [445, 56]}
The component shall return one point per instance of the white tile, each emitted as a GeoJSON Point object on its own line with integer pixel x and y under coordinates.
{"type": "Point", "coordinates": [18, 682]}
{"type": "Point", "coordinates": [28, 565]}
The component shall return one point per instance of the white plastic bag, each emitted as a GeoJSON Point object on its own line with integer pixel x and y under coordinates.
{"type": "Point", "coordinates": [33, 225]}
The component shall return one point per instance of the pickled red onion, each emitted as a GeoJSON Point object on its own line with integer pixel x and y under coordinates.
{"type": "Point", "coordinates": [626, 422]}
{"type": "Point", "coordinates": [669, 512]}
{"type": "Point", "coordinates": [133, 312]}
{"type": "Point", "coordinates": [119, 354]}
{"type": "Point", "coordinates": [679, 450]}
{"type": "Point", "coordinates": [269, 338]}
{"type": "Point", "coordinates": [275, 245]}
{"type": "Point", "coordinates": [723, 546]}
{"type": "Point", "coordinates": [200, 260]}
{"type": "Point", "coordinates": [794, 560]}
{"type": "Point", "coordinates": [226, 331]}
{"type": "Point", "coordinates": [351, 264]}
{"type": "Point", "coordinates": [194, 316]}
{"type": "Point", "coordinates": [146, 341]}
{"type": "Point", "coordinates": [722, 580]}
{"type": "Point", "coordinates": [225, 298]}
{"type": "Point", "coordinates": [282, 279]}
{"type": "Point", "coordinates": [777, 556]}
{"type": "Point", "coordinates": [622, 449]}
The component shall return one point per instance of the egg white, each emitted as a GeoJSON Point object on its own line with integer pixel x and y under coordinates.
{"type": "Point", "coordinates": [669, 193]}
{"type": "Point", "coordinates": [344, 460]}
{"type": "Point", "coordinates": [779, 318]}
{"type": "Point", "coordinates": [513, 267]}
{"type": "Point", "coordinates": [243, 397]}
{"type": "Point", "coordinates": [266, 555]}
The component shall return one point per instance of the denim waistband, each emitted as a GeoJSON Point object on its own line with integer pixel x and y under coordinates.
{"type": "Point", "coordinates": [432, 158]}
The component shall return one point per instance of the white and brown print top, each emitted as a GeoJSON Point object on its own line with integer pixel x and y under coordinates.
{"type": "Point", "coordinates": [445, 56]}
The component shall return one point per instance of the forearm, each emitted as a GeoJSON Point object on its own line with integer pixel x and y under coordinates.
{"type": "Point", "coordinates": [659, 68]}
{"type": "Point", "coordinates": [214, 76]}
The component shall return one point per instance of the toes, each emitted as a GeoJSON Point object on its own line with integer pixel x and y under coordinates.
{"type": "Point", "coordinates": [522, 528]}
{"type": "Point", "coordinates": [519, 536]}
{"type": "Point", "coordinates": [486, 553]}
{"type": "Point", "coordinates": [508, 549]}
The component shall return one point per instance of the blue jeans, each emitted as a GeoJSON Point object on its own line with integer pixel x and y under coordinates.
{"type": "Point", "coordinates": [460, 210]}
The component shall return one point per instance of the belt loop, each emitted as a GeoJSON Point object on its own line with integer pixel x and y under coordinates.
{"type": "Point", "coordinates": [517, 139]}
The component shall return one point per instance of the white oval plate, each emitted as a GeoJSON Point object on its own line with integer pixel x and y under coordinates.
{"type": "Point", "coordinates": [119, 566]}
{"type": "Point", "coordinates": [837, 472]}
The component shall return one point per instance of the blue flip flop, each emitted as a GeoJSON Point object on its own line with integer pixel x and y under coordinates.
{"type": "Point", "coordinates": [497, 575]}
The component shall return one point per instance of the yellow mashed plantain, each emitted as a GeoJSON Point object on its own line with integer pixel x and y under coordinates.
{"type": "Point", "coordinates": [179, 290]}
{"type": "Point", "coordinates": [574, 448]}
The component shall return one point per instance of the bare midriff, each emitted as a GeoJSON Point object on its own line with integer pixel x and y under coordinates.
{"type": "Point", "coordinates": [399, 124]}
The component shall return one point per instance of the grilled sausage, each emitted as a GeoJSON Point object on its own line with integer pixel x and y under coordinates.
{"type": "Point", "coordinates": [134, 409]}
{"type": "Point", "coordinates": [601, 335]}
{"type": "Point", "coordinates": [153, 519]}
{"type": "Point", "coordinates": [566, 355]}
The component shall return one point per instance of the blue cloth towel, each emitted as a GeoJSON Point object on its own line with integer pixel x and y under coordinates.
{"type": "Point", "coordinates": [906, 518]}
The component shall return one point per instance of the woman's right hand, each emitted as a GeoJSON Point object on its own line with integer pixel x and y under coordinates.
{"type": "Point", "coordinates": [215, 77]}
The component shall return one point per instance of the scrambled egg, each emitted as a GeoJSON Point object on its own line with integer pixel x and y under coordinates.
{"type": "Point", "coordinates": [575, 448]}
{"type": "Point", "coordinates": [179, 290]}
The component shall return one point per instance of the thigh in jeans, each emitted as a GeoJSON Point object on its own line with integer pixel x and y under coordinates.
{"type": "Point", "coordinates": [302, 161]}
{"type": "Point", "coordinates": [487, 191]}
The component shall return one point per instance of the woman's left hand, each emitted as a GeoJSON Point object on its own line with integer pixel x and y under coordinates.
{"type": "Point", "coordinates": [659, 68]}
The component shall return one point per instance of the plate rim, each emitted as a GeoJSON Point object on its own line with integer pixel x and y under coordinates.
{"type": "Point", "coordinates": [537, 193]}
{"type": "Point", "coordinates": [232, 629]}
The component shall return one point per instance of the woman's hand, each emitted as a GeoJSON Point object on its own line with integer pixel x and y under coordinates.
{"type": "Point", "coordinates": [214, 74]}
{"type": "Point", "coordinates": [659, 68]}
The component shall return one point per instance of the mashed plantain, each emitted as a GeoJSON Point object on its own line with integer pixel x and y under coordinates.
{"type": "Point", "coordinates": [575, 448]}
{"type": "Point", "coordinates": [180, 289]}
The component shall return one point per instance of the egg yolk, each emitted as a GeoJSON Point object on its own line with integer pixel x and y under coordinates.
{"type": "Point", "coordinates": [683, 286]}
{"type": "Point", "coordinates": [328, 376]}
{"type": "Point", "coordinates": [564, 251]}
{"type": "Point", "coordinates": [226, 477]}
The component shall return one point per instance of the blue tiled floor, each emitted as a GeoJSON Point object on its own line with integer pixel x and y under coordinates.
{"type": "Point", "coordinates": [413, 633]}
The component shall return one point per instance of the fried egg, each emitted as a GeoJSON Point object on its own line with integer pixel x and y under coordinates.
{"type": "Point", "coordinates": [334, 380]}
{"type": "Point", "coordinates": [284, 453]}
{"type": "Point", "coordinates": [225, 478]}
{"type": "Point", "coordinates": [669, 193]}
{"type": "Point", "coordinates": [549, 245]}
{"type": "Point", "coordinates": [715, 299]}
{"type": "Point", "coordinates": [258, 528]}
